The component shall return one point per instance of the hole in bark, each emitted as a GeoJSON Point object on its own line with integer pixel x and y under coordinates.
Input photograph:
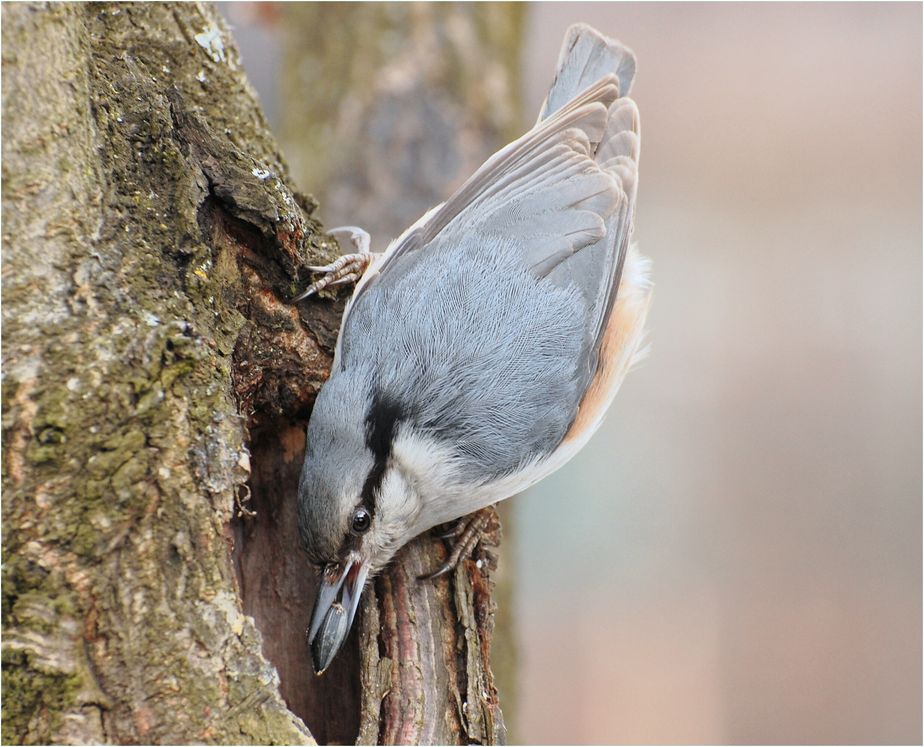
{"type": "Point", "coordinates": [278, 585]}
{"type": "Point", "coordinates": [276, 582]}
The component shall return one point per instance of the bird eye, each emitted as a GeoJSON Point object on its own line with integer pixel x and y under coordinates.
{"type": "Point", "coordinates": [361, 521]}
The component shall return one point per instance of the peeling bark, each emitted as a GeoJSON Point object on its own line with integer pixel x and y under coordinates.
{"type": "Point", "coordinates": [425, 651]}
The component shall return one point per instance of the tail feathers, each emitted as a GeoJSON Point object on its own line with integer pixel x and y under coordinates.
{"type": "Point", "coordinates": [622, 129]}
{"type": "Point", "coordinates": [618, 151]}
{"type": "Point", "coordinates": [586, 56]}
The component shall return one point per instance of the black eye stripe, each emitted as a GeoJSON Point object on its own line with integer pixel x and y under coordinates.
{"type": "Point", "coordinates": [372, 484]}
{"type": "Point", "coordinates": [381, 423]}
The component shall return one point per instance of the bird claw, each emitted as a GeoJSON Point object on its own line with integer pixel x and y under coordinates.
{"type": "Point", "coordinates": [351, 277]}
{"type": "Point", "coordinates": [465, 536]}
{"type": "Point", "coordinates": [454, 529]}
{"type": "Point", "coordinates": [347, 269]}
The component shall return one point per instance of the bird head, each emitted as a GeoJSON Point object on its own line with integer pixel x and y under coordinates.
{"type": "Point", "coordinates": [359, 500]}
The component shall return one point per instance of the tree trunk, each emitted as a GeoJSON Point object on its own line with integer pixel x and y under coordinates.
{"type": "Point", "coordinates": [155, 393]}
{"type": "Point", "coordinates": [148, 232]}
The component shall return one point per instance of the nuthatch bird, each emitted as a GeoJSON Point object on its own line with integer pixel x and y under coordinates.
{"type": "Point", "coordinates": [479, 353]}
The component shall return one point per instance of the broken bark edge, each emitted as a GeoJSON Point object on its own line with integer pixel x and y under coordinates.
{"type": "Point", "coordinates": [425, 650]}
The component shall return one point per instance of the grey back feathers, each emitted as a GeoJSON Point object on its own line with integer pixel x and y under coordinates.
{"type": "Point", "coordinates": [482, 327]}
{"type": "Point", "coordinates": [479, 354]}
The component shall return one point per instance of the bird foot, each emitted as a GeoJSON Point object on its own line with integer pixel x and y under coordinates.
{"type": "Point", "coordinates": [347, 269]}
{"type": "Point", "coordinates": [463, 536]}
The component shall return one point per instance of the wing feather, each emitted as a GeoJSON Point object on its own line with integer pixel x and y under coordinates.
{"type": "Point", "coordinates": [550, 152]}
{"type": "Point", "coordinates": [558, 203]}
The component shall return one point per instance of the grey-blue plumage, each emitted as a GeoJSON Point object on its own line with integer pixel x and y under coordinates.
{"type": "Point", "coordinates": [483, 355]}
{"type": "Point", "coordinates": [480, 351]}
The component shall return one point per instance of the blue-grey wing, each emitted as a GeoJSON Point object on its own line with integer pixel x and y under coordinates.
{"type": "Point", "coordinates": [478, 351]}
{"type": "Point", "coordinates": [487, 316]}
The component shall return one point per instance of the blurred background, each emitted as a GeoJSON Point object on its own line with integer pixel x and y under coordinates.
{"type": "Point", "coordinates": [736, 556]}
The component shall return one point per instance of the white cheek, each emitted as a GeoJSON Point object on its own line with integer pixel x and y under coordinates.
{"type": "Point", "coordinates": [432, 472]}
{"type": "Point", "coordinates": [420, 478]}
{"type": "Point", "coordinates": [427, 465]}
{"type": "Point", "coordinates": [397, 500]}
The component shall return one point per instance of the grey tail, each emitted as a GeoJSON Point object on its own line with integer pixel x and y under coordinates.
{"type": "Point", "coordinates": [586, 56]}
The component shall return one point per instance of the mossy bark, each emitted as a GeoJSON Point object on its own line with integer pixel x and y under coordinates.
{"type": "Point", "coordinates": [148, 229]}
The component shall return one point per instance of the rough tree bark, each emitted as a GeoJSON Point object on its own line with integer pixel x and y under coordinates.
{"type": "Point", "coordinates": [142, 246]}
{"type": "Point", "coordinates": [155, 393]}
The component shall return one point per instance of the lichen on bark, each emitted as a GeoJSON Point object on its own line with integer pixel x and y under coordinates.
{"type": "Point", "coordinates": [123, 444]}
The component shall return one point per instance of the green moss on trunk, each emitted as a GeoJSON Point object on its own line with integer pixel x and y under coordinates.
{"type": "Point", "coordinates": [127, 128]}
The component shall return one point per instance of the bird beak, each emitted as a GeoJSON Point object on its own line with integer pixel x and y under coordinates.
{"type": "Point", "coordinates": [334, 609]}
